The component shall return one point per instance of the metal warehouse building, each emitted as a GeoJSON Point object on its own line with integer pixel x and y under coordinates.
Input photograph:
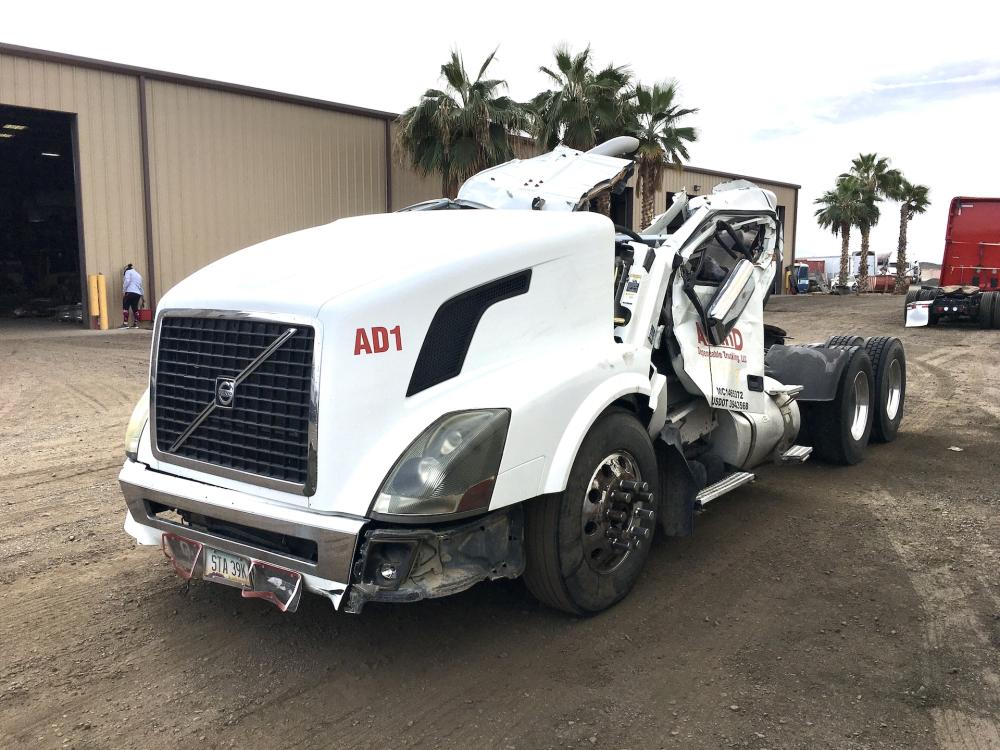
{"type": "Point", "coordinates": [104, 164]}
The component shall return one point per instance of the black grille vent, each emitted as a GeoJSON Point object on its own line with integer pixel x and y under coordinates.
{"type": "Point", "coordinates": [266, 431]}
{"type": "Point", "coordinates": [450, 334]}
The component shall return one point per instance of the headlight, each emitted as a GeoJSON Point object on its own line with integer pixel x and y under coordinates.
{"type": "Point", "coordinates": [140, 415]}
{"type": "Point", "coordinates": [450, 468]}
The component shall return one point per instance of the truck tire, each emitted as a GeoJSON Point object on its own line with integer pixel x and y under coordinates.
{"type": "Point", "coordinates": [846, 339]}
{"type": "Point", "coordinates": [573, 563]}
{"type": "Point", "coordinates": [889, 367]}
{"type": "Point", "coordinates": [840, 428]}
{"type": "Point", "coordinates": [911, 296]}
{"type": "Point", "coordinates": [986, 303]}
{"type": "Point", "coordinates": [996, 309]}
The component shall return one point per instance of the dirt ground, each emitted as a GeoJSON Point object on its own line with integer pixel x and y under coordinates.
{"type": "Point", "coordinates": [817, 608]}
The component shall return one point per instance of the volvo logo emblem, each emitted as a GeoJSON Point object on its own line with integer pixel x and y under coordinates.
{"type": "Point", "coordinates": [225, 392]}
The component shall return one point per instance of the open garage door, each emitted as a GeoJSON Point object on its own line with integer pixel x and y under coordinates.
{"type": "Point", "coordinates": [40, 251]}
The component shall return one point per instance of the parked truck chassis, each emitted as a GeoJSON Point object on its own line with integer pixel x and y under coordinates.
{"type": "Point", "coordinates": [480, 402]}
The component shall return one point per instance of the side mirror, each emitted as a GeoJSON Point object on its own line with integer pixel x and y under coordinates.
{"type": "Point", "coordinates": [729, 302]}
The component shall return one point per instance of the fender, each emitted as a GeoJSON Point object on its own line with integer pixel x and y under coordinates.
{"type": "Point", "coordinates": [595, 404]}
{"type": "Point", "coordinates": [816, 369]}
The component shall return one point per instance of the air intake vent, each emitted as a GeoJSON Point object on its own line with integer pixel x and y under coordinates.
{"type": "Point", "coordinates": [447, 341]}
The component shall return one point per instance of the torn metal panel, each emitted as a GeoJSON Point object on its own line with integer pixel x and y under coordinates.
{"type": "Point", "coordinates": [562, 180]}
{"type": "Point", "coordinates": [407, 565]}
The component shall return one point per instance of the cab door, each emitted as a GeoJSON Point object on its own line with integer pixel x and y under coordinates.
{"type": "Point", "coordinates": [727, 371]}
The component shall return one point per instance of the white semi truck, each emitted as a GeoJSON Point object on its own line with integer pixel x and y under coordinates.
{"type": "Point", "coordinates": [396, 407]}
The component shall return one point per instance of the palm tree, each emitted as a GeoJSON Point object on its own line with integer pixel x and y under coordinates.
{"type": "Point", "coordinates": [840, 210]}
{"type": "Point", "coordinates": [462, 129]}
{"type": "Point", "coordinates": [875, 180]}
{"type": "Point", "coordinates": [913, 200]}
{"type": "Point", "coordinates": [585, 107]}
{"type": "Point", "coordinates": [654, 117]}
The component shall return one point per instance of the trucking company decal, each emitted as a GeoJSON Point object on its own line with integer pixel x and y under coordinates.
{"type": "Point", "coordinates": [730, 349]}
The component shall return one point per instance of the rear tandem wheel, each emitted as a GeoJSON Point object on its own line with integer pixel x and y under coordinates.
{"type": "Point", "coordinates": [987, 309]}
{"type": "Point", "coordinates": [840, 429]}
{"type": "Point", "coordinates": [889, 368]}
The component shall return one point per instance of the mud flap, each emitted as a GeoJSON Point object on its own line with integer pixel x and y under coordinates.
{"type": "Point", "coordinates": [918, 314]}
{"type": "Point", "coordinates": [679, 488]}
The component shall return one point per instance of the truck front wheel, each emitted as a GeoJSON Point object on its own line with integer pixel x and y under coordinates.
{"type": "Point", "coordinates": [586, 546]}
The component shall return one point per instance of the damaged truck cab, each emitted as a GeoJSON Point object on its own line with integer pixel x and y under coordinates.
{"type": "Point", "coordinates": [500, 385]}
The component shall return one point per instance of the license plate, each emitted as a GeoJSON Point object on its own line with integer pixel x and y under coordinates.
{"type": "Point", "coordinates": [224, 567]}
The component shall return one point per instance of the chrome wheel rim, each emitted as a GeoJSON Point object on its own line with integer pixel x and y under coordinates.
{"type": "Point", "coordinates": [895, 397]}
{"type": "Point", "coordinates": [617, 515]}
{"type": "Point", "coordinates": [860, 401]}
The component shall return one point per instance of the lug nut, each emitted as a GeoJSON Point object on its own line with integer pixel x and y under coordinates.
{"type": "Point", "coordinates": [644, 514]}
{"type": "Point", "coordinates": [615, 515]}
{"type": "Point", "coordinates": [621, 497]}
{"type": "Point", "coordinates": [631, 486]}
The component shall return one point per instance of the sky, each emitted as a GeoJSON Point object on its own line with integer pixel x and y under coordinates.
{"type": "Point", "coordinates": [789, 91]}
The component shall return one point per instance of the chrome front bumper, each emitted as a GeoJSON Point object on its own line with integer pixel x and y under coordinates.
{"type": "Point", "coordinates": [335, 537]}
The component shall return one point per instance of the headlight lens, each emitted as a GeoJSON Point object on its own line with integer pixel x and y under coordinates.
{"type": "Point", "coordinates": [140, 415]}
{"type": "Point", "coordinates": [450, 468]}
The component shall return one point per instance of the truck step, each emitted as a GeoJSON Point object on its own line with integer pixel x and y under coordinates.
{"type": "Point", "coordinates": [796, 454]}
{"type": "Point", "coordinates": [731, 482]}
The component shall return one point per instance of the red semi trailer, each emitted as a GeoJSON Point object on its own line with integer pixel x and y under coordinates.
{"type": "Point", "coordinates": [970, 269]}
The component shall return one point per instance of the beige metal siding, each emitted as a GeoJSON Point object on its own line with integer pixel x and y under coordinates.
{"type": "Point", "coordinates": [106, 105]}
{"type": "Point", "coordinates": [229, 170]}
{"type": "Point", "coordinates": [409, 187]}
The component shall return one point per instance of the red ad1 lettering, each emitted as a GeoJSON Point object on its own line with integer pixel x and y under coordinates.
{"type": "Point", "coordinates": [377, 340]}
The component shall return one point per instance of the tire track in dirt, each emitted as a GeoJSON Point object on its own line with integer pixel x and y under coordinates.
{"type": "Point", "coordinates": [951, 623]}
{"type": "Point", "coordinates": [749, 611]}
{"type": "Point", "coordinates": [924, 415]}
{"type": "Point", "coordinates": [98, 405]}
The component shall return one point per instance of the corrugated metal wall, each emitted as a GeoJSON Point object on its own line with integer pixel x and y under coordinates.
{"type": "Point", "coordinates": [106, 105]}
{"type": "Point", "coordinates": [229, 170]}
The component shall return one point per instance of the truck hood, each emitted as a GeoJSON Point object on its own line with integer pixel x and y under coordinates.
{"type": "Point", "coordinates": [560, 180]}
{"type": "Point", "coordinates": [358, 279]}
{"type": "Point", "coordinates": [300, 272]}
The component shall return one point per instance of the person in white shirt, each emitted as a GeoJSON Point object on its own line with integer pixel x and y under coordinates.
{"type": "Point", "coordinates": [131, 294]}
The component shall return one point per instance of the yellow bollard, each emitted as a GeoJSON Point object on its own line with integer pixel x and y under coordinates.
{"type": "Point", "coordinates": [92, 302]}
{"type": "Point", "coordinates": [102, 298]}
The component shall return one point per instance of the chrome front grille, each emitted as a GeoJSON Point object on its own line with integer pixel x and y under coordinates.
{"type": "Point", "coordinates": [234, 394]}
